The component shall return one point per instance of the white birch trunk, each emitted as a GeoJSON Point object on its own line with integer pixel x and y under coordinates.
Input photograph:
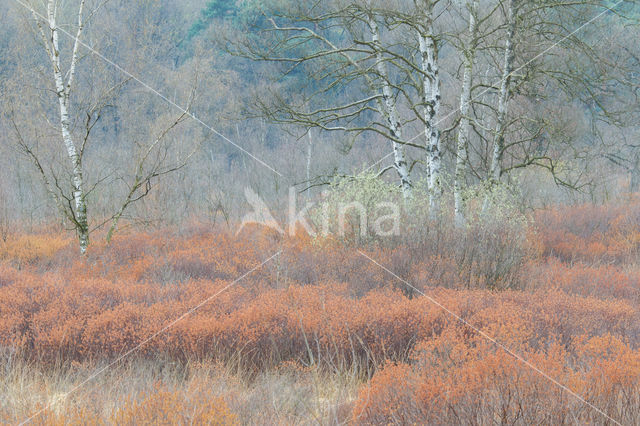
{"type": "Point", "coordinates": [463, 132]}
{"type": "Point", "coordinates": [431, 100]}
{"type": "Point", "coordinates": [63, 91]}
{"type": "Point", "coordinates": [399, 161]}
{"type": "Point", "coordinates": [503, 98]}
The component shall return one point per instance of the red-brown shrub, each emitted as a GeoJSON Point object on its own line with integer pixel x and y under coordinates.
{"type": "Point", "coordinates": [460, 377]}
{"type": "Point", "coordinates": [574, 314]}
{"type": "Point", "coordinates": [590, 233]}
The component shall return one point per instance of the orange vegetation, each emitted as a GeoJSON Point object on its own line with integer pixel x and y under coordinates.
{"type": "Point", "coordinates": [573, 321]}
{"type": "Point", "coordinates": [163, 406]}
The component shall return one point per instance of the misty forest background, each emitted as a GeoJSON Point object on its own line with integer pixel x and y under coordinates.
{"type": "Point", "coordinates": [568, 122]}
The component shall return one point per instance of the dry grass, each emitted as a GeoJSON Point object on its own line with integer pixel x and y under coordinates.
{"type": "Point", "coordinates": [192, 393]}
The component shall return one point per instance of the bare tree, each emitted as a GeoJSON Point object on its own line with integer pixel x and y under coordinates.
{"type": "Point", "coordinates": [391, 112]}
{"type": "Point", "coordinates": [428, 44]}
{"type": "Point", "coordinates": [503, 96]}
{"type": "Point", "coordinates": [154, 158]}
{"type": "Point", "coordinates": [49, 29]}
{"type": "Point", "coordinates": [357, 59]}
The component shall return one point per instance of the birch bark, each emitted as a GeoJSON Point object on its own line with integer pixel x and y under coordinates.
{"type": "Point", "coordinates": [63, 92]}
{"type": "Point", "coordinates": [463, 132]}
{"type": "Point", "coordinates": [431, 99]}
{"type": "Point", "coordinates": [399, 161]}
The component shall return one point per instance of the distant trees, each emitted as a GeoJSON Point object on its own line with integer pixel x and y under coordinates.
{"type": "Point", "coordinates": [237, 12]}
{"type": "Point", "coordinates": [331, 87]}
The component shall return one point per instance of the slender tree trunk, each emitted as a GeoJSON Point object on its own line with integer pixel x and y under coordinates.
{"type": "Point", "coordinates": [309, 154]}
{"type": "Point", "coordinates": [503, 99]}
{"type": "Point", "coordinates": [63, 93]}
{"type": "Point", "coordinates": [431, 100]}
{"type": "Point", "coordinates": [463, 132]}
{"type": "Point", "coordinates": [399, 161]}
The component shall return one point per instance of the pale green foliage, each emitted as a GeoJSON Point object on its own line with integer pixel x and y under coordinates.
{"type": "Point", "coordinates": [350, 200]}
{"type": "Point", "coordinates": [501, 202]}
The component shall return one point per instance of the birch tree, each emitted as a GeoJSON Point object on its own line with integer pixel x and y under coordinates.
{"type": "Point", "coordinates": [421, 82]}
{"type": "Point", "coordinates": [428, 45]}
{"type": "Point", "coordinates": [547, 61]}
{"type": "Point", "coordinates": [503, 96]}
{"type": "Point", "coordinates": [399, 161]}
{"type": "Point", "coordinates": [76, 120]}
{"type": "Point", "coordinates": [359, 59]}
{"type": "Point", "coordinates": [468, 53]}
{"type": "Point", "coordinates": [377, 69]}
{"type": "Point", "coordinates": [49, 30]}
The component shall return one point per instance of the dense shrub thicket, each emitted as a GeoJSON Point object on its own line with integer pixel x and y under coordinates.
{"type": "Point", "coordinates": [574, 314]}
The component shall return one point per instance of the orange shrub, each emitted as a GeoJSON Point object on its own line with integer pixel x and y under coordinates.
{"type": "Point", "coordinates": [462, 378]}
{"type": "Point", "coordinates": [54, 318]}
{"type": "Point", "coordinates": [325, 304]}
{"type": "Point", "coordinates": [31, 248]}
{"type": "Point", "coordinates": [590, 233]}
{"type": "Point", "coordinates": [389, 397]}
{"type": "Point", "coordinates": [602, 281]}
